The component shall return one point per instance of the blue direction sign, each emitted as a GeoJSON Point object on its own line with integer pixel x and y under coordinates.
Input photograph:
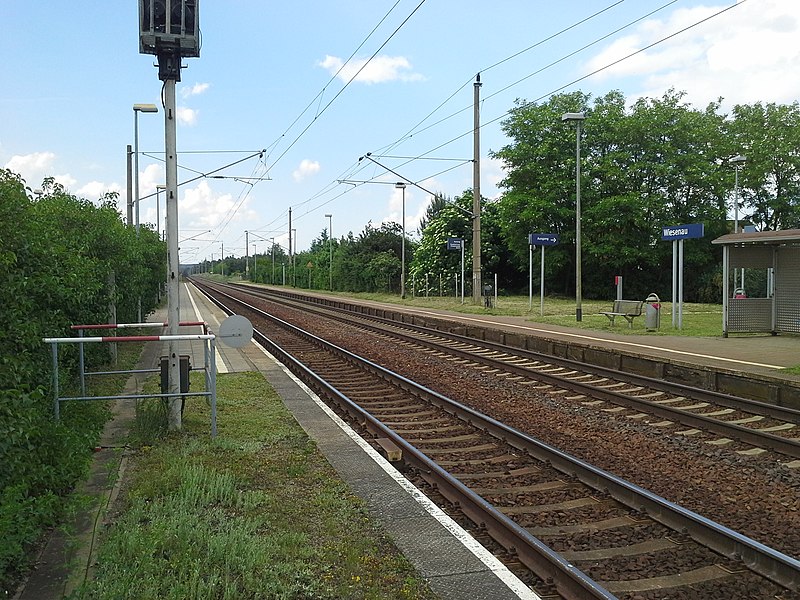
{"type": "Point", "coordinates": [455, 243]}
{"type": "Point", "coordinates": [682, 232]}
{"type": "Point", "coordinates": [542, 239]}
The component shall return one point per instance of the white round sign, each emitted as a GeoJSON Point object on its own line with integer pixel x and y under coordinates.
{"type": "Point", "coordinates": [236, 331]}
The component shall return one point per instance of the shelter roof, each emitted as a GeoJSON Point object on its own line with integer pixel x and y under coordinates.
{"type": "Point", "coordinates": [783, 236]}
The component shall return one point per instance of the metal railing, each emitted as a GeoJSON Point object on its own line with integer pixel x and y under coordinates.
{"type": "Point", "coordinates": [209, 363]}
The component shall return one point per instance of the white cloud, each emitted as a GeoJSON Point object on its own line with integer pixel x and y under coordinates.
{"type": "Point", "coordinates": [153, 175]}
{"type": "Point", "coordinates": [743, 55]}
{"type": "Point", "coordinates": [306, 169]}
{"type": "Point", "coordinates": [195, 90]}
{"type": "Point", "coordinates": [95, 189]}
{"type": "Point", "coordinates": [34, 167]}
{"type": "Point", "coordinates": [202, 207]}
{"type": "Point", "coordinates": [379, 70]}
{"type": "Point", "coordinates": [186, 116]}
{"type": "Point", "coordinates": [38, 160]}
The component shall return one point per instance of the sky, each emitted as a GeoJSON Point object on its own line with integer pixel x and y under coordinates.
{"type": "Point", "coordinates": [319, 84]}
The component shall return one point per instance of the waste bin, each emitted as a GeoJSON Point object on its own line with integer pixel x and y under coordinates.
{"type": "Point", "coordinates": [652, 313]}
{"type": "Point", "coordinates": [487, 296]}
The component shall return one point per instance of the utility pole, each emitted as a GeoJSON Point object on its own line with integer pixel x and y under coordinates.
{"type": "Point", "coordinates": [291, 256]}
{"type": "Point", "coordinates": [476, 195]}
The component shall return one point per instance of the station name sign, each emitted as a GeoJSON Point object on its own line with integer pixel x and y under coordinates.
{"type": "Point", "coordinates": [455, 244]}
{"type": "Point", "coordinates": [682, 232]}
{"type": "Point", "coordinates": [542, 239]}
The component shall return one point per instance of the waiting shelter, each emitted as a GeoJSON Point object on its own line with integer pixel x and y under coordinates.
{"type": "Point", "coordinates": [761, 282]}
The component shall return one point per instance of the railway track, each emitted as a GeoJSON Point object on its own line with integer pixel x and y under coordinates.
{"type": "Point", "coordinates": [746, 426]}
{"type": "Point", "coordinates": [582, 531]}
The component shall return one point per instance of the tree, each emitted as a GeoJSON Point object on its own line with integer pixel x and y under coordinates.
{"type": "Point", "coordinates": [652, 165]}
{"type": "Point", "coordinates": [769, 137]}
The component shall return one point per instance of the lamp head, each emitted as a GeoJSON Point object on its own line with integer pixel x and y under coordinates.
{"type": "Point", "coordinates": [147, 108]}
{"type": "Point", "coordinates": [573, 116]}
{"type": "Point", "coordinates": [738, 160]}
{"type": "Point", "coordinates": [400, 185]}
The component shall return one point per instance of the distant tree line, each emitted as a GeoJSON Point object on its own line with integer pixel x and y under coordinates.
{"type": "Point", "coordinates": [654, 163]}
{"type": "Point", "coordinates": [63, 261]}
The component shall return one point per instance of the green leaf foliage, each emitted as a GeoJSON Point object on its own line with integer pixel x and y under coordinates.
{"type": "Point", "coordinates": [57, 256]}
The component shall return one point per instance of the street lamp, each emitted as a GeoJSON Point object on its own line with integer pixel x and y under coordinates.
{"type": "Point", "coordinates": [137, 108]}
{"type": "Point", "coordinates": [402, 186]}
{"type": "Point", "coordinates": [738, 162]}
{"type": "Point", "coordinates": [272, 279]}
{"type": "Point", "coordinates": [577, 118]}
{"type": "Point", "coordinates": [255, 264]}
{"type": "Point", "coordinates": [330, 247]}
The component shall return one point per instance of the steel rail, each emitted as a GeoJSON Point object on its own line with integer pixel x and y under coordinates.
{"type": "Point", "coordinates": [762, 439]}
{"type": "Point", "coordinates": [766, 561]}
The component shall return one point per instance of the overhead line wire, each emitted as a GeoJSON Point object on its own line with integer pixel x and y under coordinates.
{"type": "Point", "coordinates": [412, 131]}
{"type": "Point", "coordinates": [339, 93]}
{"type": "Point", "coordinates": [552, 64]}
{"type": "Point", "coordinates": [595, 72]}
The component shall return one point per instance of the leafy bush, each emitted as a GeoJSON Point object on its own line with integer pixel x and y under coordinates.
{"type": "Point", "coordinates": [63, 261]}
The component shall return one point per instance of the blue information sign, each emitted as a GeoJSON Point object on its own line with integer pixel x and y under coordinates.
{"type": "Point", "coordinates": [542, 239]}
{"type": "Point", "coordinates": [682, 232]}
{"type": "Point", "coordinates": [455, 243]}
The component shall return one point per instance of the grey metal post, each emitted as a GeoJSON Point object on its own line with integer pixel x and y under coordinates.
{"type": "Point", "coordinates": [56, 408]}
{"type": "Point", "coordinates": [173, 266]}
{"type": "Point", "coordinates": [530, 276]}
{"type": "Point", "coordinates": [725, 288]}
{"type": "Point", "coordinates": [129, 156]}
{"type": "Point", "coordinates": [541, 286]}
{"type": "Point", "coordinates": [680, 284]}
{"type": "Point", "coordinates": [213, 390]}
{"type": "Point", "coordinates": [578, 277]}
{"type": "Point", "coordinates": [462, 272]}
{"type": "Point", "coordinates": [330, 251]}
{"type": "Point", "coordinates": [272, 279]}
{"type": "Point", "coordinates": [136, 168]}
{"type": "Point", "coordinates": [675, 283]}
{"type": "Point", "coordinates": [476, 193]}
{"type": "Point", "coordinates": [82, 364]}
{"type": "Point", "coordinates": [247, 254]}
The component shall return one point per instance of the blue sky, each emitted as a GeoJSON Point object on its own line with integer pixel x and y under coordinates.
{"type": "Point", "coordinates": [71, 73]}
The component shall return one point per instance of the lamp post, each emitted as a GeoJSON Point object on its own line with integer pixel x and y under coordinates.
{"type": "Point", "coordinates": [137, 108]}
{"type": "Point", "coordinates": [255, 264]}
{"type": "Point", "coordinates": [738, 162]}
{"type": "Point", "coordinates": [577, 118]}
{"type": "Point", "coordinates": [402, 186]}
{"type": "Point", "coordinates": [330, 251]}
{"type": "Point", "coordinates": [272, 280]}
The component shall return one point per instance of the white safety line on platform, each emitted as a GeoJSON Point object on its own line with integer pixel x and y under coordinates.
{"type": "Point", "coordinates": [221, 366]}
{"type": "Point", "coordinates": [604, 340]}
{"type": "Point", "coordinates": [478, 550]}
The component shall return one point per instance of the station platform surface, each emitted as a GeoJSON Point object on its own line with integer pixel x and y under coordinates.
{"type": "Point", "coordinates": [765, 354]}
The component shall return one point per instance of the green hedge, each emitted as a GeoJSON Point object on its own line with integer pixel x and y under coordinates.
{"type": "Point", "coordinates": [57, 256]}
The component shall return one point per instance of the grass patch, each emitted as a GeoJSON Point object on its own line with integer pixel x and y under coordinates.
{"type": "Point", "coordinates": [256, 513]}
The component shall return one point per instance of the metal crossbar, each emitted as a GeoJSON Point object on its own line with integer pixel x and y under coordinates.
{"type": "Point", "coordinates": [209, 364]}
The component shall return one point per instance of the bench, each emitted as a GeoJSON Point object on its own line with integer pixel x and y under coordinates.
{"type": "Point", "coordinates": [627, 309]}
